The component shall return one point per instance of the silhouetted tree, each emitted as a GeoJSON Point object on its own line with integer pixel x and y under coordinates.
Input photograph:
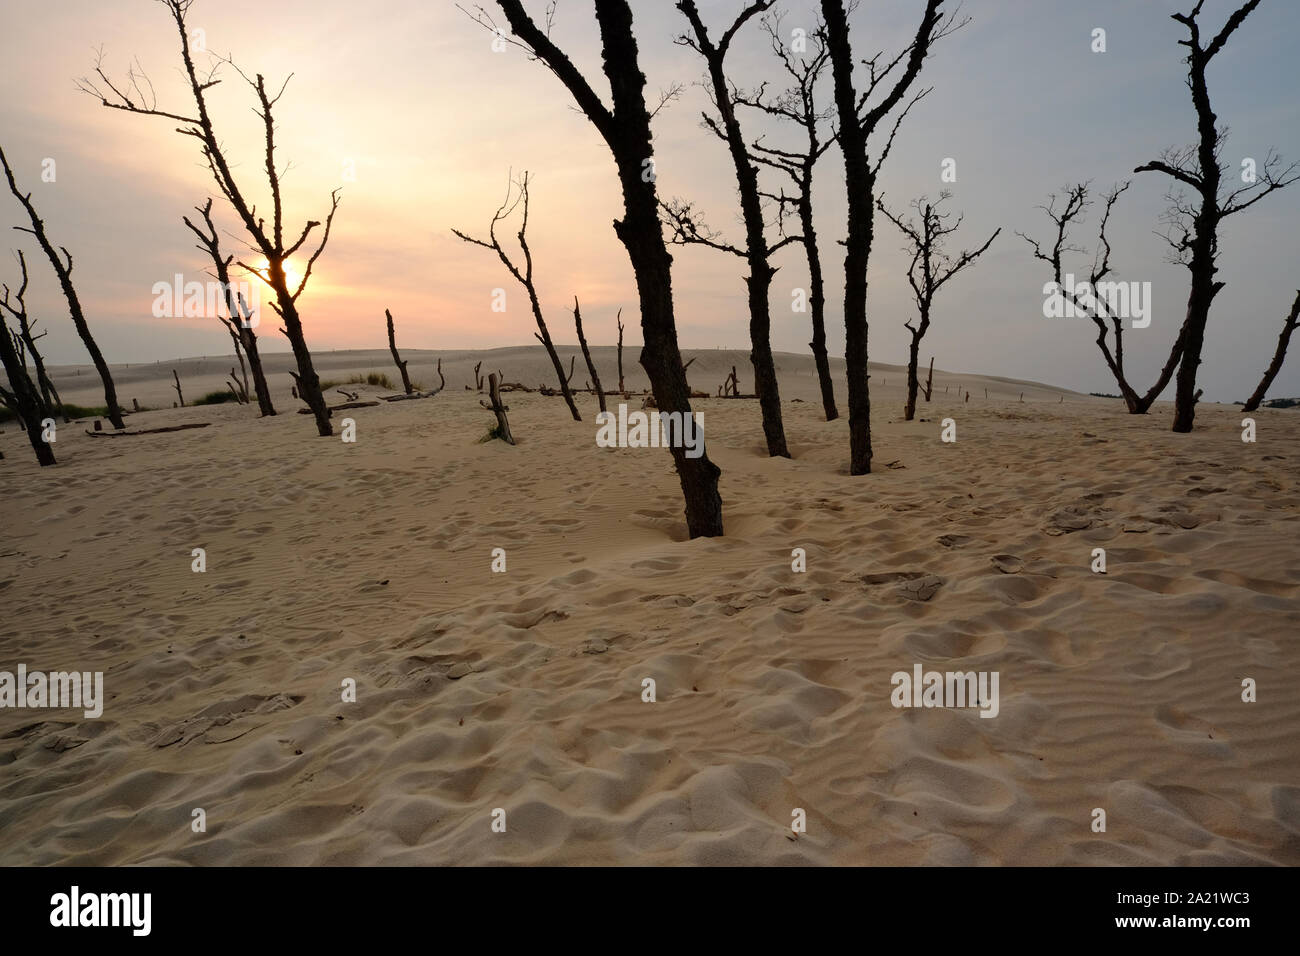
{"type": "Point", "coordinates": [240, 324]}
{"type": "Point", "coordinates": [931, 267]}
{"type": "Point", "coordinates": [859, 118]}
{"type": "Point", "coordinates": [525, 276]}
{"type": "Point", "coordinates": [63, 269]}
{"type": "Point", "coordinates": [268, 239]}
{"type": "Point", "coordinates": [1279, 356]}
{"type": "Point", "coordinates": [797, 104]}
{"type": "Point", "coordinates": [25, 342]}
{"type": "Point", "coordinates": [757, 252]}
{"type": "Point", "coordinates": [586, 354]}
{"type": "Point", "coordinates": [625, 127]}
{"type": "Point", "coordinates": [1193, 224]}
{"type": "Point", "coordinates": [1092, 304]}
{"type": "Point", "coordinates": [22, 397]}
{"type": "Point", "coordinates": [397, 359]}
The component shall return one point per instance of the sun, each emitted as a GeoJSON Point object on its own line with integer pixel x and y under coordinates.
{"type": "Point", "coordinates": [292, 275]}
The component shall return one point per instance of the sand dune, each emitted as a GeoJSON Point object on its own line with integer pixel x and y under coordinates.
{"type": "Point", "coordinates": [523, 690]}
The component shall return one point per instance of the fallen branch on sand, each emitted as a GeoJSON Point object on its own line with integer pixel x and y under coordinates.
{"type": "Point", "coordinates": [151, 431]}
{"type": "Point", "coordinates": [339, 408]}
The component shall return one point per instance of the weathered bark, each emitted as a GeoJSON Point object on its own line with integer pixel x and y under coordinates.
{"type": "Point", "coordinates": [146, 431]}
{"type": "Point", "coordinates": [63, 269]}
{"type": "Point", "coordinates": [397, 359]}
{"type": "Point", "coordinates": [757, 252]}
{"type": "Point", "coordinates": [817, 305]}
{"type": "Point", "coordinates": [586, 354]}
{"type": "Point", "coordinates": [23, 397]}
{"type": "Point", "coordinates": [1279, 356]}
{"type": "Point", "coordinates": [503, 423]}
{"type": "Point", "coordinates": [626, 130]}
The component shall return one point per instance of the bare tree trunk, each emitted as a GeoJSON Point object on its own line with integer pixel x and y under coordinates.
{"type": "Point", "coordinates": [817, 305]}
{"type": "Point", "coordinates": [756, 251]}
{"type": "Point", "coordinates": [913, 383]}
{"type": "Point", "coordinates": [1279, 356]}
{"type": "Point", "coordinates": [620, 353]}
{"type": "Point", "coordinates": [503, 423]}
{"type": "Point", "coordinates": [24, 398]}
{"type": "Point", "coordinates": [178, 388]}
{"type": "Point", "coordinates": [586, 354]}
{"type": "Point", "coordinates": [63, 269]}
{"type": "Point", "coordinates": [929, 379]}
{"type": "Point", "coordinates": [397, 359]}
{"type": "Point", "coordinates": [626, 129]}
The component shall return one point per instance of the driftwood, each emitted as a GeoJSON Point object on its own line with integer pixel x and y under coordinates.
{"type": "Point", "coordinates": [156, 431]}
{"type": "Point", "coordinates": [350, 396]}
{"type": "Point", "coordinates": [521, 387]}
{"type": "Point", "coordinates": [339, 408]}
{"type": "Point", "coordinates": [503, 423]}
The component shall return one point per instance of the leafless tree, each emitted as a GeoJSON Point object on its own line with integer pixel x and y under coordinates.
{"type": "Point", "coordinates": [931, 267]}
{"type": "Point", "coordinates": [240, 321]}
{"type": "Point", "coordinates": [860, 113]}
{"type": "Point", "coordinates": [1065, 211]}
{"type": "Point", "coordinates": [22, 397]}
{"type": "Point", "coordinates": [619, 320]}
{"type": "Point", "coordinates": [397, 359]}
{"type": "Point", "coordinates": [586, 354]}
{"type": "Point", "coordinates": [1279, 356]}
{"type": "Point", "coordinates": [757, 252]}
{"type": "Point", "coordinates": [1193, 222]}
{"type": "Point", "coordinates": [797, 104]}
{"type": "Point", "coordinates": [517, 197]}
{"type": "Point", "coordinates": [625, 127]}
{"type": "Point", "coordinates": [268, 239]}
{"type": "Point", "coordinates": [63, 269]}
{"type": "Point", "coordinates": [25, 343]}
{"type": "Point", "coordinates": [499, 409]}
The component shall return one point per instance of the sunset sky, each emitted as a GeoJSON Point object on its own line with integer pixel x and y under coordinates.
{"type": "Point", "coordinates": [410, 95]}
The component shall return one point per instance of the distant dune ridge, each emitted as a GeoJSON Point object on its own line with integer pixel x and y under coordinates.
{"type": "Point", "coordinates": [151, 383]}
{"type": "Point", "coordinates": [371, 562]}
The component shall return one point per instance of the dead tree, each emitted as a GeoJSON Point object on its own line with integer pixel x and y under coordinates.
{"type": "Point", "coordinates": [503, 423]}
{"type": "Point", "coordinates": [1193, 224]}
{"type": "Point", "coordinates": [1072, 211]}
{"type": "Point", "coordinates": [625, 127]}
{"type": "Point", "coordinates": [797, 104]}
{"type": "Point", "coordinates": [929, 379]}
{"type": "Point", "coordinates": [478, 377]}
{"type": "Point", "coordinates": [586, 354]}
{"type": "Point", "coordinates": [240, 321]}
{"type": "Point", "coordinates": [524, 277]}
{"type": "Point", "coordinates": [931, 267]}
{"type": "Point", "coordinates": [63, 269]}
{"type": "Point", "coordinates": [22, 397]}
{"type": "Point", "coordinates": [26, 338]}
{"type": "Point", "coordinates": [757, 252]}
{"type": "Point", "coordinates": [860, 114]}
{"type": "Point", "coordinates": [1279, 356]}
{"type": "Point", "coordinates": [397, 359]}
{"type": "Point", "coordinates": [619, 319]}
{"type": "Point", "coordinates": [267, 238]}
{"type": "Point", "coordinates": [179, 396]}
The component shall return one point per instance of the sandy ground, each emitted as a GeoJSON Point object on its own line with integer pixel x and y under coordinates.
{"type": "Point", "coordinates": [523, 690]}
